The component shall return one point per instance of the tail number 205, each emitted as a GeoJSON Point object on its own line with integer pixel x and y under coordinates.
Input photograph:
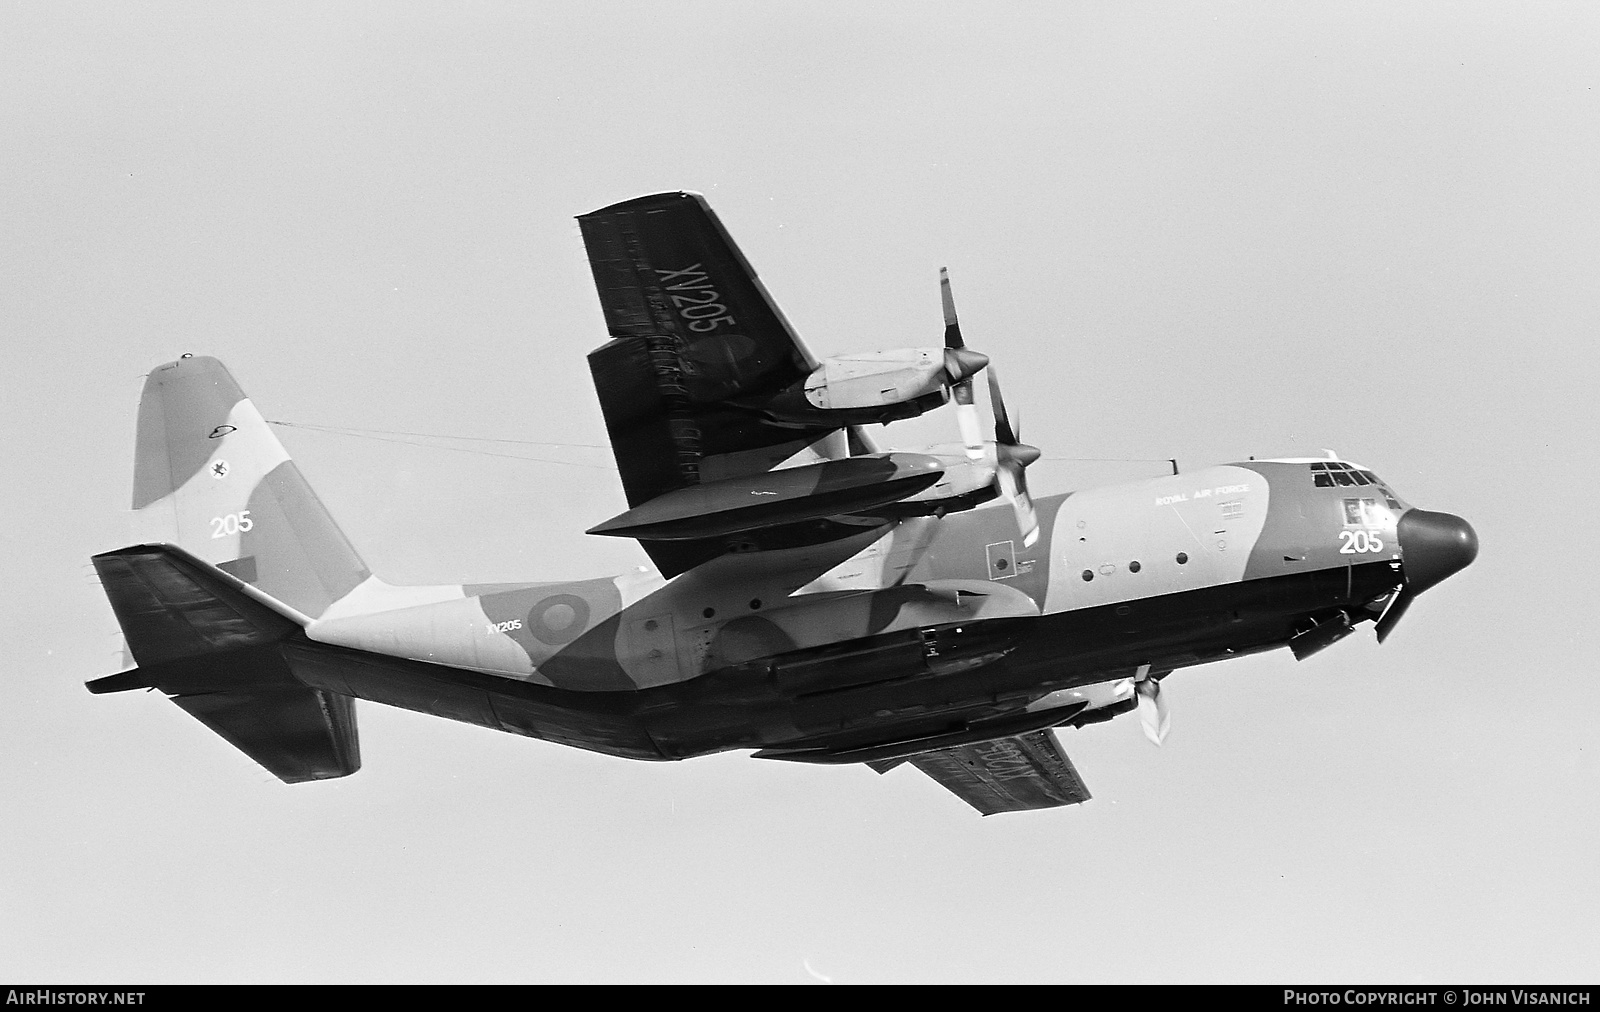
{"type": "Point", "coordinates": [233, 523]}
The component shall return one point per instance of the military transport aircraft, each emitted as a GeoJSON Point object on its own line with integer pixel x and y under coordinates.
{"type": "Point", "coordinates": [814, 598]}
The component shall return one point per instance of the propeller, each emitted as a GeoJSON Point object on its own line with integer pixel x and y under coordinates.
{"type": "Point", "coordinates": [960, 365]}
{"type": "Point", "coordinates": [1153, 716]}
{"type": "Point", "coordinates": [1012, 457]}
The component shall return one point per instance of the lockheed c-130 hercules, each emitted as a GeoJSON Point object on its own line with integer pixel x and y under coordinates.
{"type": "Point", "coordinates": [813, 598]}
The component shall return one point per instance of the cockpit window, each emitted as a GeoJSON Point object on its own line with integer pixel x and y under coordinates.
{"type": "Point", "coordinates": [1334, 473]}
{"type": "Point", "coordinates": [1327, 474]}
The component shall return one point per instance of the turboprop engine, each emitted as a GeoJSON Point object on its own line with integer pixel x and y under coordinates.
{"type": "Point", "coordinates": [876, 378]}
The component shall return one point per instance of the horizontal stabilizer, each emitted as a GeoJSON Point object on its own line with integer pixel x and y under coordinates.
{"type": "Point", "coordinates": [1017, 774]}
{"type": "Point", "coordinates": [298, 733]}
{"type": "Point", "coordinates": [201, 637]}
{"type": "Point", "coordinates": [171, 605]}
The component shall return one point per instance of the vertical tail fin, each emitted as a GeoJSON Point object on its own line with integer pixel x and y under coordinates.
{"type": "Point", "coordinates": [210, 477]}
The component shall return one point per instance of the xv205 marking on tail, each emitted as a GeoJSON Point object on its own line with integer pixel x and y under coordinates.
{"type": "Point", "coordinates": [814, 599]}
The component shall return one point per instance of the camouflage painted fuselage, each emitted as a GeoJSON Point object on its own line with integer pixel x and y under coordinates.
{"type": "Point", "coordinates": [898, 632]}
{"type": "Point", "coordinates": [905, 630]}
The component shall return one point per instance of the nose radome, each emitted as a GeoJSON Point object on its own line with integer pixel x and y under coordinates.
{"type": "Point", "coordinates": [1434, 546]}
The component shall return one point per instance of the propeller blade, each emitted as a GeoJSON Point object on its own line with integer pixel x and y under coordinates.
{"type": "Point", "coordinates": [952, 326]}
{"type": "Point", "coordinates": [1154, 719]}
{"type": "Point", "coordinates": [1004, 432]}
{"type": "Point", "coordinates": [960, 365]}
{"type": "Point", "coordinates": [1014, 486]}
{"type": "Point", "coordinates": [1027, 519]}
{"type": "Point", "coordinates": [971, 431]}
{"type": "Point", "coordinates": [1012, 459]}
{"type": "Point", "coordinates": [1394, 611]}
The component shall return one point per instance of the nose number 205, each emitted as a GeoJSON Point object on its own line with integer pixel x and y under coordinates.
{"type": "Point", "coordinates": [1357, 542]}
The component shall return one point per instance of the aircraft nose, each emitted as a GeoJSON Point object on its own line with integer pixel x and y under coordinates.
{"type": "Point", "coordinates": [1434, 546]}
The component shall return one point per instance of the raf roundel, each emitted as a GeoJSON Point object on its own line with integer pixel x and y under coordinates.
{"type": "Point", "coordinates": [559, 619]}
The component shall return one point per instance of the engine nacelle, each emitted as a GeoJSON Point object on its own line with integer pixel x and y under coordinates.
{"type": "Point", "coordinates": [875, 378]}
{"type": "Point", "coordinates": [1103, 700]}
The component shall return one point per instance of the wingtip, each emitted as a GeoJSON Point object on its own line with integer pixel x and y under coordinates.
{"type": "Point", "coordinates": [122, 681]}
{"type": "Point", "coordinates": [648, 201]}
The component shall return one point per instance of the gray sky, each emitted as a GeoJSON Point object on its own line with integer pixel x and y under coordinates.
{"type": "Point", "coordinates": [1191, 230]}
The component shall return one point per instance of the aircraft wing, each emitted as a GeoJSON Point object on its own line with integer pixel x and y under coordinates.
{"type": "Point", "coordinates": [696, 345]}
{"type": "Point", "coordinates": [1016, 774]}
